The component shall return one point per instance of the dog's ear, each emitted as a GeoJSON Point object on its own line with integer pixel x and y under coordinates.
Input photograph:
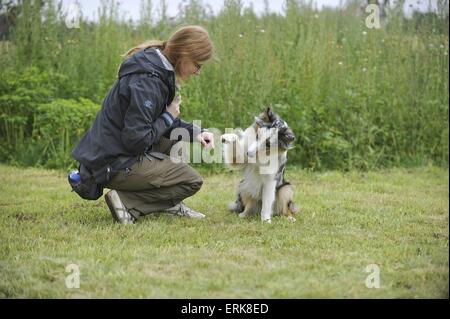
{"type": "Point", "coordinates": [269, 113]}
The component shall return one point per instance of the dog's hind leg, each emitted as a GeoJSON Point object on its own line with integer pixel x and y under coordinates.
{"type": "Point", "coordinates": [285, 202]}
{"type": "Point", "coordinates": [293, 209]}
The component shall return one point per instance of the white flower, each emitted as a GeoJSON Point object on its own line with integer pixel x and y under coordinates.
{"type": "Point", "coordinates": [441, 46]}
{"type": "Point", "coordinates": [340, 63]}
{"type": "Point", "coordinates": [262, 30]}
{"type": "Point", "coordinates": [364, 33]}
{"type": "Point", "coordinates": [364, 69]}
{"type": "Point", "coordinates": [240, 35]}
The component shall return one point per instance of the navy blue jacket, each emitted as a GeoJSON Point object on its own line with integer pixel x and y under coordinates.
{"type": "Point", "coordinates": [133, 117]}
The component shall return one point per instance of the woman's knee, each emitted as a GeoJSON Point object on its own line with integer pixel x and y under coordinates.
{"type": "Point", "coordinates": [197, 185]}
{"type": "Point", "coordinates": [195, 180]}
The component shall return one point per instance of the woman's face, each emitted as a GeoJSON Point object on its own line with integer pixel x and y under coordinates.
{"type": "Point", "coordinates": [190, 68]}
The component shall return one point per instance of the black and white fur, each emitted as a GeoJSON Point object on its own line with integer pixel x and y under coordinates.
{"type": "Point", "coordinates": [263, 188]}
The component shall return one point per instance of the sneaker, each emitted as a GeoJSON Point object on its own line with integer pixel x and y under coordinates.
{"type": "Point", "coordinates": [118, 210]}
{"type": "Point", "coordinates": [182, 210]}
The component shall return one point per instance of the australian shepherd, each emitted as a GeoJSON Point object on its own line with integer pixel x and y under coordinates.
{"type": "Point", "coordinates": [261, 152]}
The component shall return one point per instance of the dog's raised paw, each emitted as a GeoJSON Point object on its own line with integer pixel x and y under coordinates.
{"type": "Point", "coordinates": [267, 221]}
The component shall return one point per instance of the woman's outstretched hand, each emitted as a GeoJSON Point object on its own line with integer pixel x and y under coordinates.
{"type": "Point", "coordinates": [174, 107]}
{"type": "Point", "coordinates": [207, 139]}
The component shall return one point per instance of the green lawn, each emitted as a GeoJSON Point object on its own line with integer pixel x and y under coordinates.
{"type": "Point", "coordinates": [396, 219]}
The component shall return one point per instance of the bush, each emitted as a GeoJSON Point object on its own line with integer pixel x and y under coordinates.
{"type": "Point", "coordinates": [355, 97]}
{"type": "Point", "coordinates": [20, 94]}
{"type": "Point", "coordinates": [55, 128]}
{"type": "Point", "coordinates": [58, 126]}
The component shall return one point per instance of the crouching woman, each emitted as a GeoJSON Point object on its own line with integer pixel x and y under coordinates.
{"type": "Point", "coordinates": [127, 148]}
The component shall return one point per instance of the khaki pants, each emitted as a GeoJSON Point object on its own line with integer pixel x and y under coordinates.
{"type": "Point", "coordinates": [153, 184]}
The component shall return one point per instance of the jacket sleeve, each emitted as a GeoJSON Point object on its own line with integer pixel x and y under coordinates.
{"type": "Point", "coordinates": [143, 126]}
{"type": "Point", "coordinates": [191, 128]}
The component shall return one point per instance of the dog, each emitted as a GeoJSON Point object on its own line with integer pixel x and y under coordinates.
{"type": "Point", "coordinates": [261, 152]}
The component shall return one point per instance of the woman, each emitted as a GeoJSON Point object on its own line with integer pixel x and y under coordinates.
{"type": "Point", "coordinates": [127, 148]}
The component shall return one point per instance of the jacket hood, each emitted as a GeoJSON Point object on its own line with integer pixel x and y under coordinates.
{"type": "Point", "coordinates": [147, 61]}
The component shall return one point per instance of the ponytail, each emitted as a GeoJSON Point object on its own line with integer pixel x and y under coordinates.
{"type": "Point", "coordinates": [145, 45]}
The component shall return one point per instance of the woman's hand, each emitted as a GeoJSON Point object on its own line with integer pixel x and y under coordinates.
{"type": "Point", "coordinates": [207, 139]}
{"type": "Point", "coordinates": [174, 107]}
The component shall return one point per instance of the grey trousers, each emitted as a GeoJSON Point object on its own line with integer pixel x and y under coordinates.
{"type": "Point", "coordinates": [153, 184]}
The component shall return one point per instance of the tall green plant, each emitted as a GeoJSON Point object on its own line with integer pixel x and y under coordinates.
{"type": "Point", "coordinates": [355, 97]}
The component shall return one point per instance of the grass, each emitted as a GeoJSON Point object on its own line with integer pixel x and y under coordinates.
{"type": "Point", "coordinates": [397, 219]}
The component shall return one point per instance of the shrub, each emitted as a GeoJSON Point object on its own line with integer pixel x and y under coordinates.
{"type": "Point", "coordinates": [58, 126]}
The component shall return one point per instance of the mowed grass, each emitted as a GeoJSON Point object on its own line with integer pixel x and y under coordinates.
{"type": "Point", "coordinates": [396, 219]}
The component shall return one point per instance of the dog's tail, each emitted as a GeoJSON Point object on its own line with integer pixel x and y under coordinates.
{"type": "Point", "coordinates": [233, 207]}
{"type": "Point", "coordinates": [236, 206]}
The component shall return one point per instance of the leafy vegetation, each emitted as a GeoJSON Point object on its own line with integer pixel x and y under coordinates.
{"type": "Point", "coordinates": [357, 98]}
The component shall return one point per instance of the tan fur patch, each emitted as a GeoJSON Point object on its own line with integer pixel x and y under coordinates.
{"type": "Point", "coordinates": [263, 116]}
{"type": "Point", "coordinates": [285, 196]}
{"type": "Point", "coordinates": [249, 204]}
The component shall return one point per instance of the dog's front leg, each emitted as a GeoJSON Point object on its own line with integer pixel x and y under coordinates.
{"type": "Point", "coordinates": [268, 200]}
